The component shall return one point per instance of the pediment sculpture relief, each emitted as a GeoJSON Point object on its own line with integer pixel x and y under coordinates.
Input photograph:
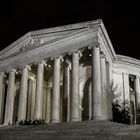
{"type": "Point", "coordinates": [31, 42]}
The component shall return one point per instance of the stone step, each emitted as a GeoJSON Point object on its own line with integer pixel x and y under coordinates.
{"type": "Point", "coordinates": [98, 130]}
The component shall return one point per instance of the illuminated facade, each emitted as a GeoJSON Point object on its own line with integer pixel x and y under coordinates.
{"type": "Point", "coordinates": [67, 73]}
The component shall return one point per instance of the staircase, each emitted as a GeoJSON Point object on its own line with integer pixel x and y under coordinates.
{"type": "Point", "coordinates": [86, 130]}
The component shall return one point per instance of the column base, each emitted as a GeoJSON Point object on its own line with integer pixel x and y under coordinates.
{"type": "Point", "coordinates": [7, 123]}
{"type": "Point", "coordinates": [24, 122]}
{"type": "Point", "coordinates": [38, 121]}
{"type": "Point", "coordinates": [75, 120]}
{"type": "Point", "coordinates": [90, 118]}
{"type": "Point", "coordinates": [97, 118]}
{"type": "Point", "coordinates": [55, 121]}
{"type": "Point", "coordinates": [21, 122]}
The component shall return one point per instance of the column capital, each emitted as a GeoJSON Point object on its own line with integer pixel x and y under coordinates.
{"type": "Point", "coordinates": [97, 44]}
{"type": "Point", "coordinates": [94, 44]}
{"type": "Point", "coordinates": [90, 47]}
{"type": "Point", "coordinates": [13, 70]}
{"type": "Point", "coordinates": [22, 67]}
{"type": "Point", "coordinates": [77, 51]}
{"type": "Point", "coordinates": [44, 62]}
{"type": "Point", "coordinates": [137, 77]}
{"type": "Point", "coordinates": [61, 58]}
{"type": "Point", "coordinates": [80, 54]}
{"type": "Point", "coordinates": [27, 66]}
{"type": "Point", "coordinates": [40, 62]}
{"type": "Point", "coordinates": [102, 54]}
{"type": "Point", "coordinates": [68, 63]}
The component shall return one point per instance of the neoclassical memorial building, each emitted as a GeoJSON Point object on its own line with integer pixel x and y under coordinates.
{"type": "Point", "coordinates": [67, 73]}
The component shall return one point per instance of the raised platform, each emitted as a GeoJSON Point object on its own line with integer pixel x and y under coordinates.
{"type": "Point", "coordinates": [87, 130]}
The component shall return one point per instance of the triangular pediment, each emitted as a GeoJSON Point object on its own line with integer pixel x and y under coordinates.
{"type": "Point", "coordinates": [34, 39]}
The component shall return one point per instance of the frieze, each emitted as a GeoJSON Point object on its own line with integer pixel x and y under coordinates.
{"type": "Point", "coordinates": [31, 42]}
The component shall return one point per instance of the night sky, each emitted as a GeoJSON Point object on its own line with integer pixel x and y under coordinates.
{"type": "Point", "coordinates": [121, 19]}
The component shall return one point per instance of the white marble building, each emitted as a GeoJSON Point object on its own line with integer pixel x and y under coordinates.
{"type": "Point", "coordinates": [66, 73]}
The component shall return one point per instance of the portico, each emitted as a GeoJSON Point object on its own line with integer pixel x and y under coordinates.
{"type": "Point", "coordinates": [61, 74]}
{"type": "Point", "coordinates": [55, 108]}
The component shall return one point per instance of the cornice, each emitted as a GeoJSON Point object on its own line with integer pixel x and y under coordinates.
{"type": "Point", "coordinates": [126, 60]}
{"type": "Point", "coordinates": [68, 27]}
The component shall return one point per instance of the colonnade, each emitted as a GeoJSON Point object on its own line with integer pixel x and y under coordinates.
{"type": "Point", "coordinates": [98, 89]}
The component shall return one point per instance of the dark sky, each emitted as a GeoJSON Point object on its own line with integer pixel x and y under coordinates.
{"type": "Point", "coordinates": [121, 19]}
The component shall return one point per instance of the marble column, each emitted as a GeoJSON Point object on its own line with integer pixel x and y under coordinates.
{"type": "Point", "coordinates": [2, 94]}
{"type": "Point", "coordinates": [96, 82]}
{"type": "Point", "coordinates": [48, 105]}
{"type": "Point", "coordinates": [66, 98]}
{"type": "Point", "coordinates": [8, 118]}
{"type": "Point", "coordinates": [137, 90]}
{"type": "Point", "coordinates": [44, 101]}
{"type": "Point", "coordinates": [55, 111]}
{"type": "Point", "coordinates": [103, 86]}
{"type": "Point", "coordinates": [109, 91]}
{"type": "Point", "coordinates": [33, 89]}
{"type": "Point", "coordinates": [126, 90]}
{"type": "Point", "coordinates": [137, 101]}
{"type": "Point", "coordinates": [81, 98]}
{"type": "Point", "coordinates": [74, 110]}
{"type": "Point", "coordinates": [90, 101]}
{"type": "Point", "coordinates": [31, 99]}
{"type": "Point", "coordinates": [39, 92]}
{"type": "Point", "coordinates": [22, 109]}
